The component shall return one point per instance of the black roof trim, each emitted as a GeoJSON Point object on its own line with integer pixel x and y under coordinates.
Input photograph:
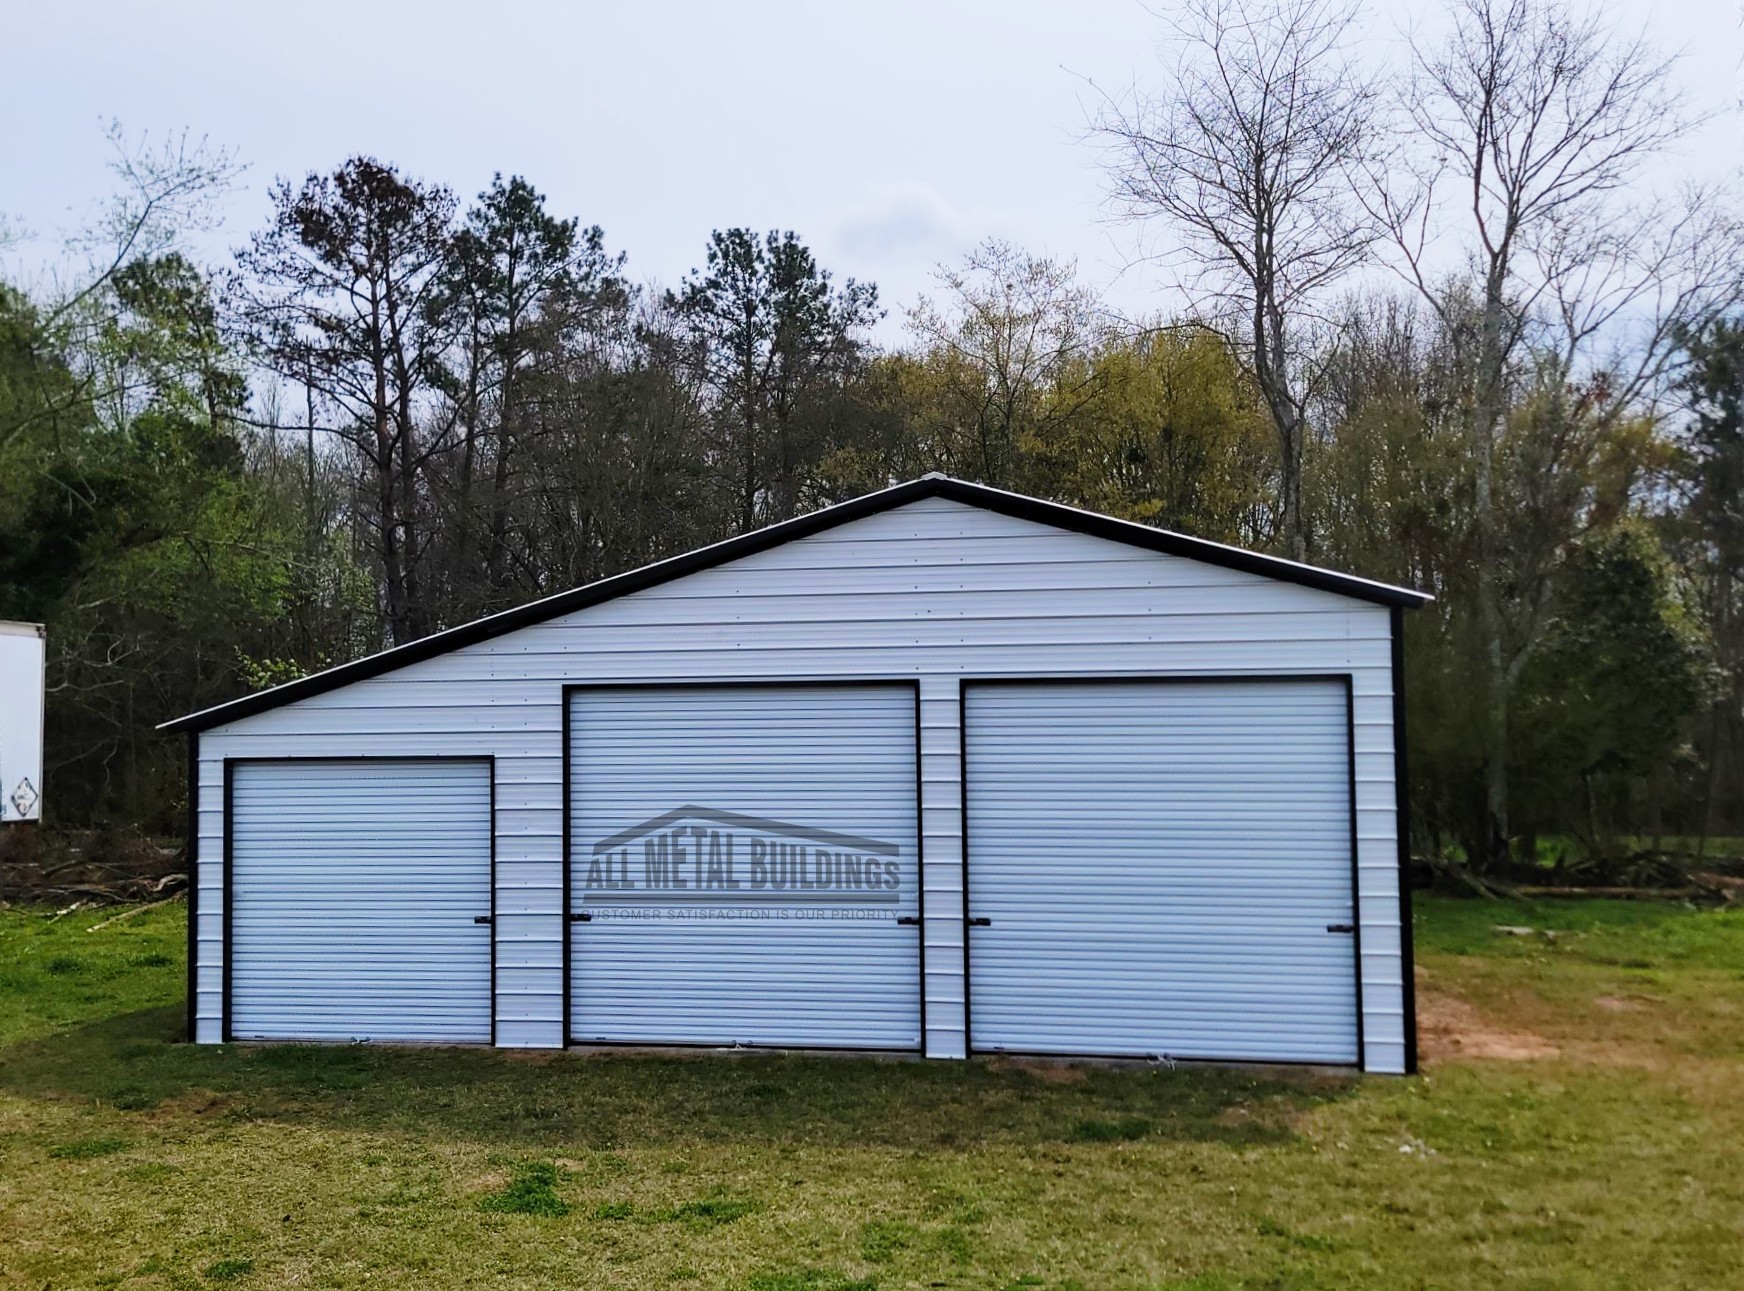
{"type": "Point", "coordinates": [928, 486]}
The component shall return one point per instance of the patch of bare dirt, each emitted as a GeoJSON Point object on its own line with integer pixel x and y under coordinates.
{"type": "Point", "coordinates": [190, 1104]}
{"type": "Point", "coordinates": [1451, 1030]}
{"type": "Point", "coordinates": [1049, 1073]}
{"type": "Point", "coordinates": [533, 1057]}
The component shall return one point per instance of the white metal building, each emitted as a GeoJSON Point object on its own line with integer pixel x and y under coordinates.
{"type": "Point", "coordinates": [943, 769]}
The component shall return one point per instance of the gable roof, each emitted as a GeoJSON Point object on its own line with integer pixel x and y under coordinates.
{"type": "Point", "coordinates": [927, 486]}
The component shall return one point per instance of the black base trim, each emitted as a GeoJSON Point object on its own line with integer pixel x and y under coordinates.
{"type": "Point", "coordinates": [1154, 1058]}
{"type": "Point", "coordinates": [715, 1046]}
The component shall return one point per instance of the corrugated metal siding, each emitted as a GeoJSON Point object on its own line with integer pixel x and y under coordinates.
{"type": "Point", "coordinates": [356, 886]}
{"type": "Point", "coordinates": [744, 970]}
{"type": "Point", "coordinates": [953, 591]}
{"type": "Point", "coordinates": [1159, 862]}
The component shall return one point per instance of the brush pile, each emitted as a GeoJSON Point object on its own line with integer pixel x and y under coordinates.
{"type": "Point", "coordinates": [87, 868]}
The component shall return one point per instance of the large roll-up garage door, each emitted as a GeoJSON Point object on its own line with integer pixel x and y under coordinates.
{"type": "Point", "coordinates": [743, 865]}
{"type": "Point", "coordinates": [1162, 869]}
{"type": "Point", "coordinates": [355, 888]}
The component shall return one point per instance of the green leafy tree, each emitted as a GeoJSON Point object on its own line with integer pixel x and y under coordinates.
{"type": "Point", "coordinates": [1608, 692]}
{"type": "Point", "coordinates": [1172, 433]}
{"type": "Point", "coordinates": [1712, 535]}
{"type": "Point", "coordinates": [139, 536]}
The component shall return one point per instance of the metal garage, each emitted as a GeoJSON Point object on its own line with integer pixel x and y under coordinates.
{"type": "Point", "coordinates": [941, 770]}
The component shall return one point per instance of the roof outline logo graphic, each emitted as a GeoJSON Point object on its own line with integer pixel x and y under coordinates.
{"type": "Point", "coordinates": [748, 823]}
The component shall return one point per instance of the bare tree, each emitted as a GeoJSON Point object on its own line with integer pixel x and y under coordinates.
{"type": "Point", "coordinates": [1527, 124]}
{"type": "Point", "coordinates": [1010, 324]}
{"type": "Point", "coordinates": [1248, 157]}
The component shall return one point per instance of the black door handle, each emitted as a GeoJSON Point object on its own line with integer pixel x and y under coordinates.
{"type": "Point", "coordinates": [980, 923]}
{"type": "Point", "coordinates": [481, 918]}
{"type": "Point", "coordinates": [1341, 927]}
{"type": "Point", "coordinates": [581, 916]}
{"type": "Point", "coordinates": [908, 920]}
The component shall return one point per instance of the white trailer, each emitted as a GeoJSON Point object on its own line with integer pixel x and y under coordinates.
{"type": "Point", "coordinates": [21, 706]}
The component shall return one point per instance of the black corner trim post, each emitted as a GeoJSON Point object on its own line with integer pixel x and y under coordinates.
{"type": "Point", "coordinates": [568, 926]}
{"type": "Point", "coordinates": [1356, 913]}
{"type": "Point", "coordinates": [963, 840]}
{"type": "Point", "coordinates": [920, 866]}
{"type": "Point", "coordinates": [191, 849]}
{"type": "Point", "coordinates": [490, 762]}
{"type": "Point", "coordinates": [1402, 826]}
{"type": "Point", "coordinates": [224, 1033]}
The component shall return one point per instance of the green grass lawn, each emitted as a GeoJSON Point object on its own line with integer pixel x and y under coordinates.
{"type": "Point", "coordinates": [1579, 1122]}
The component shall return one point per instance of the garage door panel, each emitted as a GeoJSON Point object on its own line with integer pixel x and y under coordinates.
{"type": "Point", "coordinates": [1159, 863]}
{"type": "Point", "coordinates": [836, 760]}
{"type": "Point", "coordinates": [354, 889]}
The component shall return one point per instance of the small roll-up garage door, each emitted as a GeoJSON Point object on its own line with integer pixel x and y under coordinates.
{"type": "Point", "coordinates": [743, 865]}
{"type": "Point", "coordinates": [1162, 868]}
{"type": "Point", "coordinates": [355, 889]}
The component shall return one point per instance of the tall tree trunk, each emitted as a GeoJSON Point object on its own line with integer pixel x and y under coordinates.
{"type": "Point", "coordinates": [508, 436]}
{"type": "Point", "coordinates": [464, 511]}
{"type": "Point", "coordinates": [415, 617]}
{"type": "Point", "coordinates": [496, 562]}
{"type": "Point", "coordinates": [388, 518]}
{"type": "Point", "coordinates": [785, 492]}
{"type": "Point", "coordinates": [1486, 416]}
{"type": "Point", "coordinates": [1271, 367]}
{"type": "Point", "coordinates": [311, 534]}
{"type": "Point", "coordinates": [748, 481]}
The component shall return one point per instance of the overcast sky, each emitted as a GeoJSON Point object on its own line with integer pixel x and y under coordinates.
{"type": "Point", "coordinates": [891, 134]}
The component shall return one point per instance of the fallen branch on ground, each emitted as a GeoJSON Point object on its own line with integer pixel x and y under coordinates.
{"type": "Point", "coordinates": [128, 914]}
{"type": "Point", "coordinates": [1624, 894]}
{"type": "Point", "coordinates": [1458, 874]}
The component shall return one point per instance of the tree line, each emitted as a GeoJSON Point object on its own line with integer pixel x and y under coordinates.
{"type": "Point", "coordinates": [1433, 325]}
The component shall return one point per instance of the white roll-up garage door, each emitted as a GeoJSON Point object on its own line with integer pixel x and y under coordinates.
{"type": "Point", "coordinates": [744, 858]}
{"type": "Point", "coordinates": [354, 891]}
{"type": "Point", "coordinates": [1164, 869]}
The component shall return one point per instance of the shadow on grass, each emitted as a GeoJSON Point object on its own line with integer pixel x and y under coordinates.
{"type": "Point", "coordinates": [136, 1062]}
